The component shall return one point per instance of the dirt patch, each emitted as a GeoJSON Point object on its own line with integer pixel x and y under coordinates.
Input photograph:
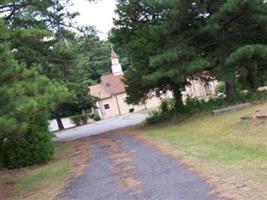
{"type": "Point", "coordinates": [130, 182]}
{"type": "Point", "coordinates": [6, 190]}
{"type": "Point", "coordinates": [119, 156]}
{"type": "Point", "coordinates": [82, 155]}
{"type": "Point", "coordinates": [122, 164]}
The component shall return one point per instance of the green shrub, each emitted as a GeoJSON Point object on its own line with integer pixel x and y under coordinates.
{"type": "Point", "coordinates": [28, 149]}
{"type": "Point", "coordinates": [220, 88]}
{"type": "Point", "coordinates": [79, 120]}
{"type": "Point", "coordinates": [76, 120]}
{"type": "Point", "coordinates": [96, 117]}
{"type": "Point", "coordinates": [165, 112]}
{"type": "Point", "coordinates": [243, 97]}
{"type": "Point", "coordinates": [194, 105]}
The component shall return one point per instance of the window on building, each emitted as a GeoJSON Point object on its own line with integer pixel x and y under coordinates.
{"type": "Point", "coordinates": [157, 91]}
{"type": "Point", "coordinates": [131, 110]}
{"type": "Point", "coordinates": [106, 106]}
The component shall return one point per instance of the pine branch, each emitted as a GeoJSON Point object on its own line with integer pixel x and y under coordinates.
{"type": "Point", "coordinates": [232, 20]}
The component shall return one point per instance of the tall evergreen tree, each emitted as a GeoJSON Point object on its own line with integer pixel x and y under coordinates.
{"type": "Point", "coordinates": [93, 57]}
{"type": "Point", "coordinates": [159, 37]}
{"type": "Point", "coordinates": [169, 41]}
{"type": "Point", "coordinates": [32, 46]}
{"type": "Point", "coordinates": [234, 31]}
{"type": "Point", "coordinates": [25, 97]}
{"type": "Point", "coordinates": [42, 36]}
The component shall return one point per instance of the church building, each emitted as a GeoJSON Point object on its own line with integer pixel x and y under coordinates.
{"type": "Point", "coordinates": [111, 93]}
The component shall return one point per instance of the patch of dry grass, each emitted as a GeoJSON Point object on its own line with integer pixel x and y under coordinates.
{"type": "Point", "coordinates": [46, 181]}
{"type": "Point", "coordinates": [230, 152]}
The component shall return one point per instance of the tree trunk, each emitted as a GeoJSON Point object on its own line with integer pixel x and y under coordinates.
{"type": "Point", "coordinates": [250, 82]}
{"type": "Point", "coordinates": [230, 91]}
{"type": "Point", "coordinates": [84, 117]}
{"type": "Point", "coordinates": [179, 106]}
{"type": "Point", "coordinates": [58, 119]}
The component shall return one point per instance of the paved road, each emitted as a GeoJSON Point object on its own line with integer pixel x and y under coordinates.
{"type": "Point", "coordinates": [100, 127]}
{"type": "Point", "coordinates": [125, 168]}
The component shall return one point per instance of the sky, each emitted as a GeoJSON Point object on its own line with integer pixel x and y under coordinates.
{"type": "Point", "coordinates": [95, 14]}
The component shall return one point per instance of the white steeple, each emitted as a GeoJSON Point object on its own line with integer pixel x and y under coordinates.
{"type": "Point", "coordinates": [116, 66]}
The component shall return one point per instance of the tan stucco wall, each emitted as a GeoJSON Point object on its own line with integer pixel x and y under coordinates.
{"type": "Point", "coordinates": [153, 102]}
{"type": "Point", "coordinates": [113, 109]}
{"type": "Point", "coordinates": [196, 90]}
{"type": "Point", "coordinates": [125, 108]}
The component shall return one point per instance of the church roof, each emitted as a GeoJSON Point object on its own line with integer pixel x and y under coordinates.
{"type": "Point", "coordinates": [113, 83]}
{"type": "Point", "coordinates": [110, 85]}
{"type": "Point", "coordinates": [99, 91]}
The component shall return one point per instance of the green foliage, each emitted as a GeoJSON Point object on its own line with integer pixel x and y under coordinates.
{"type": "Point", "coordinates": [96, 117]}
{"type": "Point", "coordinates": [250, 62]}
{"type": "Point", "coordinates": [255, 96]}
{"type": "Point", "coordinates": [41, 29]}
{"type": "Point", "coordinates": [33, 147]}
{"type": "Point", "coordinates": [220, 88]}
{"type": "Point", "coordinates": [195, 105]}
{"type": "Point", "coordinates": [234, 53]}
{"type": "Point", "coordinates": [160, 46]}
{"type": "Point", "coordinates": [92, 58]}
{"type": "Point", "coordinates": [41, 74]}
{"type": "Point", "coordinates": [170, 41]}
{"type": "Point", "coordinates": [24, 101]}
{"type": "Point", "coordinates": [192, 106]}
{"type": "Point", "coordinates": [79, 120]}
{"type": "Point", "coordinates": [165, 112]}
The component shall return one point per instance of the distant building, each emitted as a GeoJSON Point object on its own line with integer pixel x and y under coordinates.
{"type": "Point", "coordinates": [111, 93]}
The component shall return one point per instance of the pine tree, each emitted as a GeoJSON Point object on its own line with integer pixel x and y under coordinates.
{"type": "Point", "coordinates": [41, 36]}
{"type": "Point", "coordinates": [234, 31]}
{"type": "Point", "coordinates": [24, 100]}
{"type": "Point", "coordinates": [29, 55]}
{"type": "Point", "coordinates": [159, 37]}
{"type": "Point", "coordinates": [169, 41]}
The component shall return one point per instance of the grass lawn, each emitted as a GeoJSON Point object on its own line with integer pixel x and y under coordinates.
{"type": "Point", "coordinates": [41, 182]}
{"type": "Point", "coordinates": [230, 153]}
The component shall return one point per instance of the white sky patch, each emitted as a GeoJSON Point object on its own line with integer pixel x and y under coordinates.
{"type": "Point", "coordinates": [98, 14]}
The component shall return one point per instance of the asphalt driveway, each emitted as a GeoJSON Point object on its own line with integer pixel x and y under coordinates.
{"type": "Point", "coordinates": [122, 167]}
{"type": "Point", "coordinates": [100, 127]}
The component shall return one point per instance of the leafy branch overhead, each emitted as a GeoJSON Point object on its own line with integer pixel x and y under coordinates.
{"type": "Point", "coordinates": [170, 41]}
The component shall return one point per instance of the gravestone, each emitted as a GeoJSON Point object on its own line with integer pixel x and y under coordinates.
{"type": "Point", "coordinates": [230, 109]}
{"type": "Point", "coordinates": [259, 114]}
